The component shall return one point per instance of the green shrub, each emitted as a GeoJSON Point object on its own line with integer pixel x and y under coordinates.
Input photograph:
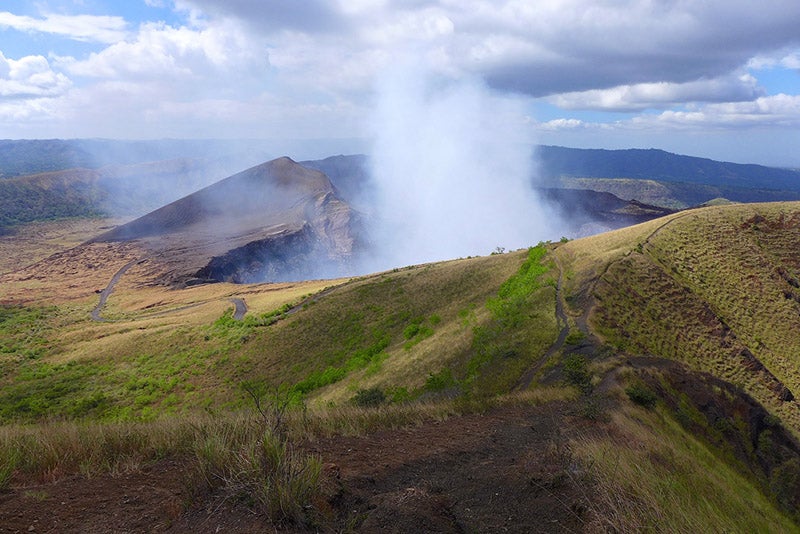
{"type": "Point", "coordinates": [641, 395]}
{"type": "Point", "coordinates": [785, 482]}
{"type": "Point", "coordinates": [440, 381]}
{"type": "Point", "coordinates": [574, 337]}
{"type": "Point", "coordinates": [576, 372]}
{"type": "Point", "coordinates": [411, 330]}
{"type": "Point", "coordinates": [369, 397]}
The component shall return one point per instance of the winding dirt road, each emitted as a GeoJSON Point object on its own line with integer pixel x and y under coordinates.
{"type": "Point", "coordinates": [105, 293]}
{"type": "Point", "coordinates": [239, 308]}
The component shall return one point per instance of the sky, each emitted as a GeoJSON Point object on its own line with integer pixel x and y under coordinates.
{"type": "Point", "coordinates": [710, 78]}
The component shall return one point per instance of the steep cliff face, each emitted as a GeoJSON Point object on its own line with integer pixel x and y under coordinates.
{"type": "Point", "coordinates": [277, 221]}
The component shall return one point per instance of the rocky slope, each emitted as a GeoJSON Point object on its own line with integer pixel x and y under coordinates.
{"type": "Point", "coordinates": [273, 222]}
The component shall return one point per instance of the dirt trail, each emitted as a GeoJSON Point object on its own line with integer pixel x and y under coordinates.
{"type": "Point", "coordinates": [493, 472]}
{"type": "Point", "coordinates": [240, 307]}
{"type": "Point", "coordinates": [105, 293]}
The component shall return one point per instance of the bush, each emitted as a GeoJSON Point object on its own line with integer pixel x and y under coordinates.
{"type": "Point", "coordinates": [574, 337]}
{"type": "Point", "coordinates": [785, 482]}
{"type": "Point", "coordinates": [641, 395]}
{"type": "Point", "coordinates": [411, 330]}
{"type": "Point", "coordinates": [440, 381]}
{"type": "Point", "coordinates": [576, 372]}
{"type": "Point", "coordinates": [369, 397]}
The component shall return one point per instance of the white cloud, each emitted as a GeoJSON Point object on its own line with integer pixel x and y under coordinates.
{"type": "Point", "coordinates": [309, 68]}
{"type": "Point", "coordinates": [100, 29]}
{"type": "Point", "coordinates": [536, 48]}
{"type": "Point", "coordinates": [734, 87]}
{"type": "Point", "coordinates": [775, 110]}
{"type": "Point", "coordinates": [789, 59]}
{"type": "Point", "coordinates": [160, 50]}
{"type": "Point", "coordinates": [561, 124]}
{"type": "Point", "coordinates": [30, 76]}
{"type": "Point", "coordinates": [779, 110]}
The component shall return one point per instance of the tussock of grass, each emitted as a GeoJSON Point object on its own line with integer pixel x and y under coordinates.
{"type": "Point", "coordinates": [261, 467]}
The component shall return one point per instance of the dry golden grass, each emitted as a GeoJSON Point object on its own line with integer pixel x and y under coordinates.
{"type": "Point", "coordinates": [583, 260]}
{"type": "Point", "coordinates": [647, 474]}
{"type": "Point", "coordinates": [32, 242]}
{"type": "Point", "coordinates": [71, 275]}
{"type": "Point", "coordinates": [704, 287]}
{"type": "Point", "coordinates": [137, 318]}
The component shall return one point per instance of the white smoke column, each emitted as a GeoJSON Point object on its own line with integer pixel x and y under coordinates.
{"type": "Point", "coordinates": [452, 171]}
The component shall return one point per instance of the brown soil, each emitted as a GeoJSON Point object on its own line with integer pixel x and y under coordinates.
{"type": "Point", "coordinates": [502, 471]}
{"type": "Point", "coordinates": [149, 501]}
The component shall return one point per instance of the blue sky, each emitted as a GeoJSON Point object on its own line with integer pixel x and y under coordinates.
{"type": "Point", "coordinates": [719, 78]}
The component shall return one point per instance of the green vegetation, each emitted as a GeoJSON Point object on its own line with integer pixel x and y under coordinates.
{"type": "Point", "coordinates": [429, 342]}
{"type": "Point", "coordinates": [521, 327]}
{"type": "Point", "coordinates": [641, 395]}
{"type": "Point", "coordinates": [23, 332]}
{"type": "Point", "coordinates": [28, 199]}
{"type": "Point", "coordinates": [369, 397]}
{"type": "Point", "coordinates": [576, 373]}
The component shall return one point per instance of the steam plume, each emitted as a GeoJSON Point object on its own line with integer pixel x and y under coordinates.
{"type": "Point", "coordinates": [452, 171]}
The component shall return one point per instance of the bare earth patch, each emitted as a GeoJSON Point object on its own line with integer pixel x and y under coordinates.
{"type": "Point", "coordinates": [496, 472]}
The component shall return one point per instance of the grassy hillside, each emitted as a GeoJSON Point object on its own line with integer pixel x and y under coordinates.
{"type": "Point", "coordinates": [390, 331]}
{"type": "Point", "coordinates": [715, 288]}
{"type": "Point", "coordinates": [637, 380]}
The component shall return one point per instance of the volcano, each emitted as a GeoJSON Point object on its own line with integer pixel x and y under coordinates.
{"type": "Point", "coordinates": [278, 221]}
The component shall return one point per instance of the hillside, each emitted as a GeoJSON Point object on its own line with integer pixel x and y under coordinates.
{"type": "Point", "coordinates": [113, 191]}
{"type": "Point", "coordinates": [654, 364]}
{"type": "Point", "coordinates": [276, 221]}
{"type": "Point", "coordinates": [587, 385]}
{"type": "Point", "coordinates": [716, 288]}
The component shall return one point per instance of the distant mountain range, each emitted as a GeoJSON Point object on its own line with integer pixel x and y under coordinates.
{"type": "Point", "coordinates": [658, 177]}
{"type": "Point", "coordinates": [599, 190]}
{"type": "Point", "coordinates": [24, 157]}
{"type": "Point", "coordinates": [653, 164]}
